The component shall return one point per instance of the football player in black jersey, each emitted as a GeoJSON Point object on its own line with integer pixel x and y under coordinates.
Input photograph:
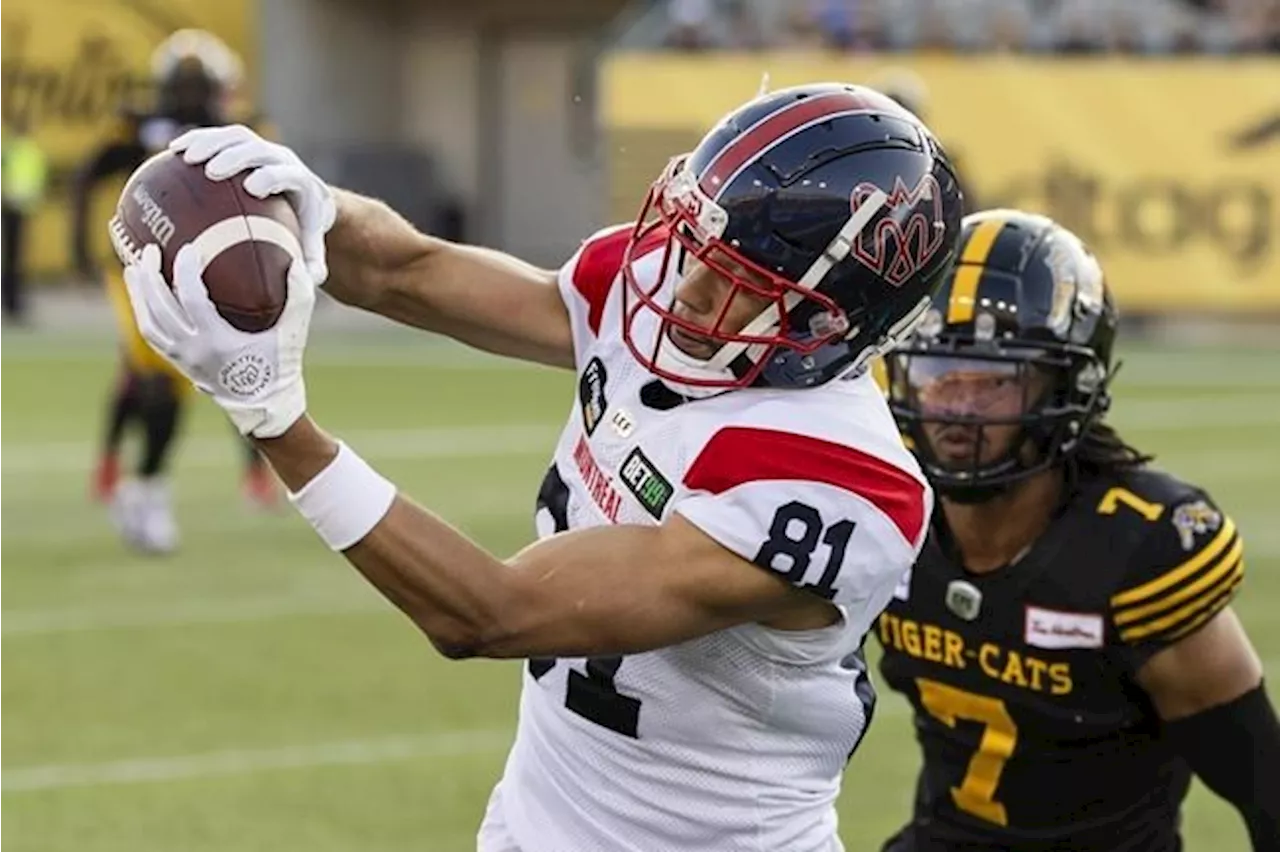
{"type": "Point", "coordinates": [195, 75]}
{"type": "Point", "coordinates": [1066, 638]}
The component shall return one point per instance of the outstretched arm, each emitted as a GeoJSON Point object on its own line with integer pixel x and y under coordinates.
{"type": "Point", "coordinates": [484, 298]}
{"type": "Point", "coordinates": [601, 591]}
{"type": "Point", "coordinates": [609, 590]}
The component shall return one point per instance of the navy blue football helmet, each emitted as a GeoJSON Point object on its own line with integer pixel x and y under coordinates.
{"type": "Point", "coordinates": [831, 203]}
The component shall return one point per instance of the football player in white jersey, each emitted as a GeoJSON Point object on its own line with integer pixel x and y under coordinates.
{"type": "Point", "coordinates": [729, 506]}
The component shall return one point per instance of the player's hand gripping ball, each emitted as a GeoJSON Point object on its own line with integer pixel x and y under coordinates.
{"type": "Point", "coordinates": [248, 243]}
{"type": "Point", "coordinates": [219, 285]}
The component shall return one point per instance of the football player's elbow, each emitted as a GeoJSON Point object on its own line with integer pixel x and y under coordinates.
{"type": "Point", "coordinates": [465, 643]}
{"type": "Point", "coordinates": [455, 639]}
{"type": "Point", "coordinates": [451, 650]}
{"type": "Point", "coordinates": [481, 631]}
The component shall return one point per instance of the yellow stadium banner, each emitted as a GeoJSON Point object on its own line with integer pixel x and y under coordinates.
{"type": "Point", "coordinates": [1169, 168]}
{"type": "Point", "coordinates": [69, 66]}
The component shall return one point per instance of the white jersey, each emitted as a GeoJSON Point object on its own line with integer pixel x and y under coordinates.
{"type": "Point", "coordinates": [736, 740]}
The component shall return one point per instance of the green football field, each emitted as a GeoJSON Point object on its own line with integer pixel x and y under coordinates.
{"type": "Point", "coordinates": [251, 693]}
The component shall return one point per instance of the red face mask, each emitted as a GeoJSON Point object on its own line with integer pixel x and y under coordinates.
{"type": "Point", "coordinates": [678, 234]}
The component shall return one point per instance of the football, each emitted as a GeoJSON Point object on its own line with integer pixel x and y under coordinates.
{"type": "Point", "coordinates": [247, 242]}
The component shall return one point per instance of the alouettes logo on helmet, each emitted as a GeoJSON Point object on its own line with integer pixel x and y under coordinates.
{"type": "Point", "coordinates": [908, 234]}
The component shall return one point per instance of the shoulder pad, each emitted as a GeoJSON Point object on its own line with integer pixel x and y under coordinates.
{"type": "Point", "coordinates": [587, 280]}
{"type": "Point", "coordinates": [1186, 567]}
{"type": "Point", "coordinates": [1134, 498]}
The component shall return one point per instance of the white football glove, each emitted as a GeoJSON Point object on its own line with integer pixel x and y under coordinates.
{"type": "Point", "coordinates": [255, 377]}
{"type": "Point", "coordinates": [277, 170]}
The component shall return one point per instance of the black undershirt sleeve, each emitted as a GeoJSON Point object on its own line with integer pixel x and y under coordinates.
{"type": "Point", "coordinates": [1235, 750]}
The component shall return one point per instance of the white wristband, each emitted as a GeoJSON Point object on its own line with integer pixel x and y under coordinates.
{"type": "Point", "coordinates": [345, 500]}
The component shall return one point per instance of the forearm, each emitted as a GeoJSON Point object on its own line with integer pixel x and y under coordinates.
{"type": "Point", "coordinates": [372, 251]}
{"type": "Point", "coordinates": [1235, 750]}
{"type": "Point", "coordinates": [487, 299]}
{"type": "Point", "coordinates": [558, 597]}
{"type": "Point", "coordinates": [469, 603]}
{"type": "Point", "coordinates": [449, 587]}
{"type": "Point", "coordinates": [453, 590]}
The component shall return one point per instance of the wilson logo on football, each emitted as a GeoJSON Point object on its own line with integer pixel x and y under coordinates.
{"type": "Point", "coordinates": [246, 375]}
{"type": "Point", "coordinates": [154, 216]}
{"type": "Point", "coordinates": [909, 233]}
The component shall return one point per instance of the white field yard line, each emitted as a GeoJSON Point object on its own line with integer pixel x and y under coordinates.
{"type": "Point", "coordinates": [523, 438]}
{"type": "Point", "coordinates": [59, 776]}
{"type": "Point", "coordinates": [217, 452]}
{"type": "Point", "coordinates": [336, 600]}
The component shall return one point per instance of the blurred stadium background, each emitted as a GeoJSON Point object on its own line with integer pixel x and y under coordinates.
{"type": "Point", "coordinates": [251, 693]}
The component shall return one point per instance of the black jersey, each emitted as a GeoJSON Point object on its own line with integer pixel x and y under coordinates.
{"type": "Point", "coordinates": [1034, 732]}
{"type": "Point", "coordinates": [134, 136]}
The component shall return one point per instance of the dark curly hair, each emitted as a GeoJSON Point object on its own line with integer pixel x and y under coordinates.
{"type": "Point", "coordinates": [1103, 451]}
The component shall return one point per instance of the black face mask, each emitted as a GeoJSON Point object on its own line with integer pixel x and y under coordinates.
{"type": "Point", "coordinates": [946, 400]}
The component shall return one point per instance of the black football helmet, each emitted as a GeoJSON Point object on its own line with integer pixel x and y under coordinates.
{"type": "Point", "coordinates": [195, 73]}
{"type": "Point", "coordinates": [1017, 343]}
{"type": "Point", "coordinates": [830, 202]}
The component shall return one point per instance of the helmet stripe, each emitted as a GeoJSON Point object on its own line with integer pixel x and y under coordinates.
{"type": "Point", "coordinates": [771, 130]}
{"type": "Point", "coordinates": [964, 287]}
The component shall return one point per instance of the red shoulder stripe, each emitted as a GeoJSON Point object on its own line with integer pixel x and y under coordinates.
{"type": "Point", "coordinates": [736, 455]}
{"type": "Point", "coordinates": [597, 268]}
{"type": "Point", "coordinates": [599, 265]}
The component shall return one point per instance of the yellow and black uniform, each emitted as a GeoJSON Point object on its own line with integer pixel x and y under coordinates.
{"type": "Point", "coordinates": [151, 389]}
{"type": "Point", "coordinates": [134, 137]}
{"type": "Point", "coordinates": [1034, 732]}
{"type": "Point", "coordinates": [196, 75]}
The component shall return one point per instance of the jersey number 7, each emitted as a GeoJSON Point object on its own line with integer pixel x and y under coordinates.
{"type": "Point", "coordinates": [977, 792]}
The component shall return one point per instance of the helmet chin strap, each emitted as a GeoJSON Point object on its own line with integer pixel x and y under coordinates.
{"type": "Point", "coordinates": [973, 495]}
{"type": "Point", "coordinates": [717, 368]}
{"type": "Point", "coordinates": [674, 361]}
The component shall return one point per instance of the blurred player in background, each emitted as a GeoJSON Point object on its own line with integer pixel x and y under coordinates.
{"type": "Point", "coordinates": [196, 76]}
{"type": "Point", "coordinates": [25, 169]}
{"type": "Point", "coordinates": [1066, 636]}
